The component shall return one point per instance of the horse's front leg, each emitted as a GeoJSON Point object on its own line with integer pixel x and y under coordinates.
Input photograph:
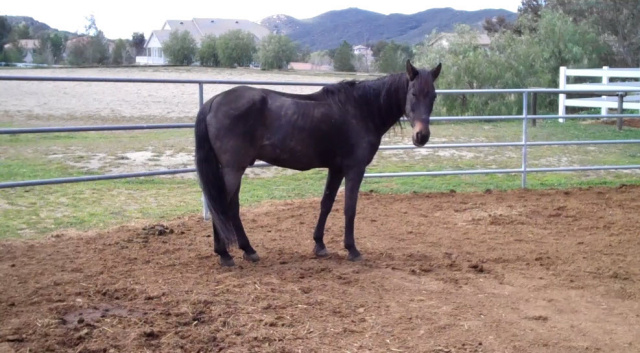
{"type": "Point", "coordinates": [352, 187]}
{"type": "Point", "coordinates": [334, 179]}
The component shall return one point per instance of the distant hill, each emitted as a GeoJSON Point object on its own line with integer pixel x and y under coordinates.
{"type": "Point", "coordinates": [36, 26]}
{"type": "Point", "coordinates": [356, 26]}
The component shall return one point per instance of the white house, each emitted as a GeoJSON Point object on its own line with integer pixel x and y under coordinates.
{"type": "Point", "coordinates": [364, 58]}
{"type": "Point", "coordinates": [363, 50]}
{"type": "Point", "coordinates": [198, 28]}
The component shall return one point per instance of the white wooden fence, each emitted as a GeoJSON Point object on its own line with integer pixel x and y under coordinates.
{"type": "Point", "coordinates": [631, 101]}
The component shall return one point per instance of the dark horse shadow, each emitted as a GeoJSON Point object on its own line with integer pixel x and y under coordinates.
{"type": "Point", "coordinates": [340, 128]}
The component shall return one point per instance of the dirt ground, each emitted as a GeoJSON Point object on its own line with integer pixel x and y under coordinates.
{"type": "Point", "coordinates": [518, 271]}
{"type": "Point", "coordinates": [626, 122]}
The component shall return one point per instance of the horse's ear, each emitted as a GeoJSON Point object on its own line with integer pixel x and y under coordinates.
{"type": "Point", "coordinates": [412, 72]}
{"type": "Point", "coordinates": [436, 72]}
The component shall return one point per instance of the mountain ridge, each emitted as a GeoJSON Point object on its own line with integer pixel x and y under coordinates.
{"type": "Point", "coordinates": [357, 26]}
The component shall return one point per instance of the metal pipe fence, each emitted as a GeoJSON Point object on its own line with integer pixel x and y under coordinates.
{"type": "Point", "coordinates": [524, 143]}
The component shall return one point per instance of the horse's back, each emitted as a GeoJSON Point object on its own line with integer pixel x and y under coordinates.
{"type": "Point", "coordinates": [237, 99]}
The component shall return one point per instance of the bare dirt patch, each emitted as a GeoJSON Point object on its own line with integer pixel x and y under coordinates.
{"type": "Point", "coordinates": [626, 122]}
{"type": "Point", "coordinates": [519, 271]}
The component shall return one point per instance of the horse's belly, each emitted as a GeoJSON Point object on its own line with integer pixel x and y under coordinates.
{"type": "Point", "coordinates": [291, 158]}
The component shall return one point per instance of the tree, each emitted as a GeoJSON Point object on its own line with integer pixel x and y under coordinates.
{"type": "Point", "coordinates": [394, 57]}
{"type": "Point", "coordinates": [529, 13]}
{"type": "Point", "coordinates": [208, 53]}
{"type": "Point", "coordinates": [5, 31]}
{"type": "Point", "coordinates": [76, 52]}
{"type": "Point", "coordinates": [378, 48]}
{"type": "Point", "coordinates": [43, 54]}
{"type": "Point", "coordinates": [119, 55]}
{"type": "Point", "coordinates": [530, 59]}
{"type": "Point", "coordinates": [496, 25]}
{"type": "Point", "coordinates": [320, 58]}
{"type": "Point", "coordinates": [303, 54]}
{"type": "Point", "coordinates": [51, 46]}
{"type": "Point", "coordinates": [137, 42]}
{"type": "Point", "coordinates": [614, 20]}
{"type": "Point", "coordinates": [57, 43]}
{"type": "Point", "coordinates": [22, 31]}
{"type": "Point", "coordinates": [236, 48]}
{"type": "Point", "coordinates": [97, 49]}
{"type": "Point", "coordinates": [531, 8]}
{"type": "Point", "coordinates": [90, 49]}
{"type": "Point", "coordinates": [180, 48]}
{"type": "Point", "coordinates": [91, 28]}
{"type": "Point", "coordinates": [343, 59]}
{"type": "Point", "coordinates": [276, 52]}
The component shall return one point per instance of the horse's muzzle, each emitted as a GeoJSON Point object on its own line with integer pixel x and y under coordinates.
{"type": "Point", "coordinates": [421, 134]}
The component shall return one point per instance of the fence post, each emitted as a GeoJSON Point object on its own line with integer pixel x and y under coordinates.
{"type": "Point", "coordinates": [205, 207]}
{"type": "Point", "coordinates": [525, 104]}
{"type": "Point", "coordinates": [534, 108]}
{"type": "Point", "coordinates": [562, 97]}
{"type": "Point", "coordinates": [620, 102]}
{"type": "Point", "coordinates": [605, 81]}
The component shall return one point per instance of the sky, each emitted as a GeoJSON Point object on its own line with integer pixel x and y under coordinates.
{"type": "Point", "coordinates": [120, 19]}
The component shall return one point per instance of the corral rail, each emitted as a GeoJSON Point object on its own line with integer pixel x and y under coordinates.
{"type": "Point", "coordinates": [524, 143]}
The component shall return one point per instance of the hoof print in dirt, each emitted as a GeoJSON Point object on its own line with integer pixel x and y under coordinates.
{"type": "Point", "coordinates": [14, 338]}
{"type": "Point", "coordinates": [157, 229]}
{"type": "Point", "coordinates": [479, 268]}
{"type": "Point", "coordinates": [150, 334]}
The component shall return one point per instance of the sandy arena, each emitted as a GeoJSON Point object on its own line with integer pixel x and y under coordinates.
{"type": "Point", "coordinates": [518, 271]}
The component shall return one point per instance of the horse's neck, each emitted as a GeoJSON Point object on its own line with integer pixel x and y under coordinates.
{"type": "Point", "coordinates": [393, 98]}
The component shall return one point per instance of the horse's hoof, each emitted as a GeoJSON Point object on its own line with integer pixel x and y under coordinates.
{"type": "Point", "coordinates": [227, 262]}
{"type": "Point", "coordinates": [251, 258]}
{"type": "Point", "coordinates": [354, 257]}
{"type": "Point", "coordinates": [321, 252]}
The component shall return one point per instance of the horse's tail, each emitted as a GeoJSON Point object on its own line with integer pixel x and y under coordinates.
{"type": "Point", "coordinates": [211, 178]}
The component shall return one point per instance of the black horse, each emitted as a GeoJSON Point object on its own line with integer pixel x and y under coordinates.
{"type": "Point", "coordinates": [340, 128]}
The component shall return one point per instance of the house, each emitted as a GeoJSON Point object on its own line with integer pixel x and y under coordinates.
{"type": "Point", "coordinates": [28, 47]}
{"type": "Point", "coordinates": [362, 50]}
{"type": "Point", "coordinates": [198, 28]}
{"type": "Point", "coordinates": [364, 58]}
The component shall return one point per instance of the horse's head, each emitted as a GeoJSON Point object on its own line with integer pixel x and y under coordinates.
{"type": "Point", "coordinates": [420, 98]}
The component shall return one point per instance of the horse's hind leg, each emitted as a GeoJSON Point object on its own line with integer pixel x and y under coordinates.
{"type": "Point", "coordinates": [233, 178]}
{"type": "Point", "coordinates": [243, 241]}
{"type": "Point", "coordinates": [334, 179]}
{"type": "Point", "coordinates": [220, 248]}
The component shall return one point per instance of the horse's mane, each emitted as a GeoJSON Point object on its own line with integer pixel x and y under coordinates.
{"type": "Point", "coordinates": [382, 98]}
{"type": "Point", "coordinates": [357, 88]}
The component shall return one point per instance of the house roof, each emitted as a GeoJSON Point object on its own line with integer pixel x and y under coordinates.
{"type": "Point", "coordinates": [175, 25]}
{"type": "Point", "coordinates": [218, 26]}
{"type": "Point", "coordinates": [200, 27]}
{"type": "Point", "coordinates": [162, 35]}
{"type": "Point", "coordinates": [25, 44]}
